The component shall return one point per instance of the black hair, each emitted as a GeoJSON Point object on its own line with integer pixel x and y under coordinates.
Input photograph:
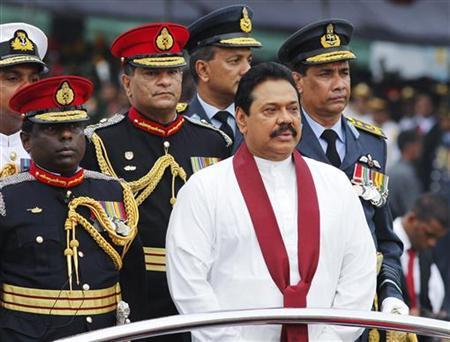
{"type": "Point", "coordinates": [128, 69]}
{"type": "Point", "coordinates": [432, 206]}
{"type": "Point", "coordinates": [27, 126]}
{"type": "Point", "coordinates": [205, 53]}
{"type": "Point", "coordinates": [300, 68]}
{"type": "Point", "coordinates": [407, 138]}
{"type": "Point", "coordinates": [257, 75]}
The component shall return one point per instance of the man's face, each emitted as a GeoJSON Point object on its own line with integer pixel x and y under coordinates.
{"type": "Point", "coordinates": [56, 147]}
{"type": "Point", "coordinates": [423, 106]}
{"type": "Point", "coordinates": [325, 89]}
{"type": "Point", "coordinates": [272, 128]}
{"type": "Point", "coordinates": [11, 79]}
{"type": "Point", "coordinates": [154, 91]}
{"type": "Point", "coordinates": [225, 70]}
{"type": "Point", "coordinates": [426, 234]}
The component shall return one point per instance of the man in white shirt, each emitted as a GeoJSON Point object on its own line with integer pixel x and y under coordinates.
{"type": "Point", "coordinates": [420, 229]}
{"type": "Point", "coordinates": [269, 228]}
{"type": "Point", "coordinates": [22, 49]}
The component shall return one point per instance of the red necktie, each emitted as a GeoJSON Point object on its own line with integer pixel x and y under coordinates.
{"type": "Point", "coordinates": [410, 278]}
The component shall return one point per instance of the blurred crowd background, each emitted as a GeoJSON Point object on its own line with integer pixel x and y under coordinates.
{"type": "Point", "coordinates": [400, 80]}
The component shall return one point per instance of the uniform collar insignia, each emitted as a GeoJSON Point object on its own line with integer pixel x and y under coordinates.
{"type": "Point", "coordinates": [56, 180]}
{"type": "Point", "coordinates": [367, 159]}
{"type": "Point", "coordinates": [153, 127]}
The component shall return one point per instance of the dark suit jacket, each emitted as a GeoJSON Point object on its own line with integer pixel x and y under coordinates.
{"type": "Point", "coordinates": [195, 110]}
{"type": "Point", "coordinates": [360, 143]}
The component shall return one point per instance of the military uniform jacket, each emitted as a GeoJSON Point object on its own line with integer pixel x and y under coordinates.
{"type": "Point", "coordinates": [32, 246]}
{"type": "Point", "coordinates": [361, 143]}
{"type": "Point", "coordinates": [195, 110]}
{"type": "Point", "coordinates": [132, 152]}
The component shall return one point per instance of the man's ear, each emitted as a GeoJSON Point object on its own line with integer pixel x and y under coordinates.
{"type": "Point", "coordinates": [25, 137]}
{"type": "Point", "coordinates": [298, 78]}
{"type": "Point", "coordinates": [409, 219]}
{"type": "Point", "coordinates": [203, 70]}
{"type": "Point", "coordinates": [241, 120]}
{"type": "Point", "coordinates": [126, 80]}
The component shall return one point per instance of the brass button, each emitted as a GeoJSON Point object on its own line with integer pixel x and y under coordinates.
{"type": "Point", "coordinates": [80, 254]}
{"type": "Point", "coordinates": [86, 287]}
{"type": "Point", "coordinates": [39, 239]}
{"type": "Point", "coordinates": [13, 156]}
{"type": "Point", "coordinates": [89, 319]}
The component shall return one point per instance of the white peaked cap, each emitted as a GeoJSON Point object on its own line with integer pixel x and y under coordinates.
{"type": "Point", "coordinates": [22, 43]}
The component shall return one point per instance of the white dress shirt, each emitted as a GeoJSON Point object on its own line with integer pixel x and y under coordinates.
{"type": "Point", "coordinates": [11, 149]}
{"type": "Point", "coordinates": [214, 261]}
{"type": "Point", "coordinates": [436, 287]}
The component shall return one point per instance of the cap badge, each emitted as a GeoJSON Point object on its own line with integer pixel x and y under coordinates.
{"type": "Point", "coordinates": [164, 41]}
{"type": "Point", "coordinates": [330, 39]}
{"type": "Point", "coordinates": [21, 42]}
{"type": "Point", "coordinates": [245, 22]}
{"type": "Point", "coordinates": [65, 94]}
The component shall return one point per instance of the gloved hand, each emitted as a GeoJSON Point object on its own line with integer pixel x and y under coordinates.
{"type": "Point", "coordinates": [394, 305]}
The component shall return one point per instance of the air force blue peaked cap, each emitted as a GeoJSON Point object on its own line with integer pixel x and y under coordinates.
{"type": "Point", "coordinates": [225, 27]}
{"type": "Point", "coordinates": [323, 41]}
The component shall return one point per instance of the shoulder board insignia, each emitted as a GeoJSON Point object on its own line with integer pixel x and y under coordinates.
{"type": "Point", "coordinates": [204, 123]}
{"type": "Point", "coordinates": [181, 107]}
{"type": "Point", "coordinates": [97, 175]}
{"type": "Point", "coordinates": [116, 118]}
{"type": "Point", "coordinates": [15, 179]}
{"type": "Point", "coordinates": [366, 127]}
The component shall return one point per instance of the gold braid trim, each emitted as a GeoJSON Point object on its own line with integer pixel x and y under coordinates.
{"type": "Point", "coordinates": [8, 170]}
{"type": "Point", "coordinates": [241, 41]}
{"type": "Point", "coordinates": [374, 334]}
{"type": "Point", "coordinates": [19, 59]}
{"type": "Point", "coordinates": [146, 183]}
{"type": "Point", "coordinates": [399, 336]}
{"type": "Point", "coordinates": [62, 116]}
{"type": "Point", "coordinates": [73, 219]}
{"type": "Point", "coordinates": [149, 182]}
{"type": "Point", "coordinates": [174, 61]}
{"type": "Point", "coordinates": [102, 156]}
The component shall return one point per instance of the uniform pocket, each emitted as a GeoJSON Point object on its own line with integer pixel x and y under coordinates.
{"type": "Point", "coordinates": [42, 246]}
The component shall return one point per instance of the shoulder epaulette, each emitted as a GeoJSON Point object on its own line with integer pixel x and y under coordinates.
{"type": "Point", "coordinates": [366, 127]}
{"type": "Point", "coordinates": [204, 123]}
{"type": "Point", "coordinates": [116, 118]}
{"type": "Point", "coordinates": [99, 175]}
{"type": "Point", "coordinates": [11, 180]}
{"type": "Point", "coordinates": [181, 107]}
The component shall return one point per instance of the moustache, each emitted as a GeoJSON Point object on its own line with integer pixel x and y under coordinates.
{"type": "Point", "coordinates": [283, 128]}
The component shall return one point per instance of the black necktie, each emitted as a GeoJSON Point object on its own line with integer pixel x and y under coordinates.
{"type": "Point", "coordinates": [330, 136]}
{"type": "Point", "coordinates": [222, 116]}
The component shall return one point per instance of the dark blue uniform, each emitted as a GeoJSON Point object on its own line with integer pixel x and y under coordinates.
{"type": "Point", "coordinates": [132, 153]}
{"type": "Point", "coordinates": [360, 143]}
{"type": "Point", "coordinates": [36, 303]}
{"type": "Point", "coordinates": [195, 110]}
